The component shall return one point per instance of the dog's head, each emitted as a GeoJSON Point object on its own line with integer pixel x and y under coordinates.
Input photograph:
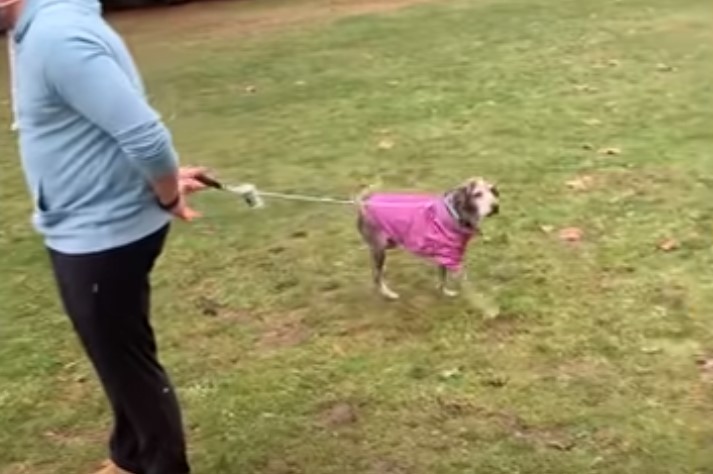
{"type": "Point", "coordinates": [474, 200]}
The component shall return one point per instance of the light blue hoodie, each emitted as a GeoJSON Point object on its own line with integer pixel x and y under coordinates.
{"type": "Point", "coordinates": [90, 143]}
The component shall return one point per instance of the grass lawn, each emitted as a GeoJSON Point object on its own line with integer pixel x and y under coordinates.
{"type": "Point", "coordinates": [593, 115]}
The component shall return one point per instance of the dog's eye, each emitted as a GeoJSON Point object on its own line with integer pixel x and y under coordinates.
{"type": "Point", "coordinates": [477, 194]}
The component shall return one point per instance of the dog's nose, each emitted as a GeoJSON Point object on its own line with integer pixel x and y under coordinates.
{"type": "Point", "coordinates": [495, 209]}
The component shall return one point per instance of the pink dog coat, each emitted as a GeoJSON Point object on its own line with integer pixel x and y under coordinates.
{"type": "Point", "coordinates": [422, 224]}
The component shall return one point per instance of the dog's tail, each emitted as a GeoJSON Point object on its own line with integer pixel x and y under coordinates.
{"type": "Point", "coordinates": [361, 199]}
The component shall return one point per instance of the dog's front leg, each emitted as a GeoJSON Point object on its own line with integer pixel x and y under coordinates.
{"type": "Point", "coordinates": [448, 280]}
{"type": "Point", "coordinates": [378, 255]}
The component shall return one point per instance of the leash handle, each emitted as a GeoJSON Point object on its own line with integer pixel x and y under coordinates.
{"type": "Point", "coordinates": [246, 191]}
{"type": "Point", "coordinates": [210, 182]}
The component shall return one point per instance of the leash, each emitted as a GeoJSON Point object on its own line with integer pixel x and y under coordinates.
{"type": "Point", "coordinates": [305, 198]}
{"type": "Point", "coordinates": [253, 197]}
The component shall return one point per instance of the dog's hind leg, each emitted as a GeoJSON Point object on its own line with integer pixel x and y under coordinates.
{"type": "Point", "coordinates": [377, 247]}
{"type": "Point", "coordinates": [379, 261]}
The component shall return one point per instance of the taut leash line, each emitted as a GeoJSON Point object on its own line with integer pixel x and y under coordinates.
{"type": "Point", "coordinates": [305, 198]}
{"type": "Point", "coordinates": [253, 197]}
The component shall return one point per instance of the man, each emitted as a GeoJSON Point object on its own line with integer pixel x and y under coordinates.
{"type": "Point", "coordinates": [103, 175]}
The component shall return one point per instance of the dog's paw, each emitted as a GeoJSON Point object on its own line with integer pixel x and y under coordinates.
{"type": "Point", "coordinates": [387, 293]}
{"type": "Point", "coordinates": [449, 293]}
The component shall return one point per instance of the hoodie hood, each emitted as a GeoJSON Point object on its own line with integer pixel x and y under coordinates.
{"type": "Point", "coordinates": [33, 7]}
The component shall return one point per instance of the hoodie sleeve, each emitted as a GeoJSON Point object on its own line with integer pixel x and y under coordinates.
{"type": "Point", "coordinates": [87, 77]}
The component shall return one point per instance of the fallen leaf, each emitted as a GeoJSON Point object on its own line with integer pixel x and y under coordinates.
{"type": "Point", "coordinates": [497, 381]}
{"type": "Point", "coordinates": [705, 365]}
{"type": "Point", "coordinates": [300, 83]}
{"type": "Point", "coordinates": [571, 234]}
{"type": "Point", "coordinates": [386, 144]}
{"type": "Point", "coordinates": [561, 445]}
{"type": "Point", "coordinates": [581, 183]}
{"type": "Point", "coordinates": [250, 89]}
{"type": "Point", "coordinates": [651, 350]}
{"type": "Point", "coordinates": [592, 122]}
{"type": "Point", "coordinates": [208, 306]}
{"type": "Point", "coordinates": [585, 88]}
{"type": "Point", "coordinates": [451, 373]}
{"type": "Point", "coordinates": [614, 63]}
{"type": "Point", "coordinates": [665, 67]}
{"type": "Point", "coordinates": [547, 229]}
{"type": "Point", "coordinates": [587, 146]}
{"type": "Point", "coordinates": [611, 151]}
{"type": "Point", "coordinates": [669, 245]}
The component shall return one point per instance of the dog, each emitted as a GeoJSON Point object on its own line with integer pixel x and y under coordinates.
{"type": "Point", "coordinates": [436, 227]}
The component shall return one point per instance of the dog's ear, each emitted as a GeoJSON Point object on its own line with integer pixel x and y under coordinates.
{"type": "Point", "coordinates": [463, 198]}
{"type": "Point", "coordinates": [495, 191]}
{"type": "Point", "coordinates": [473, 185]}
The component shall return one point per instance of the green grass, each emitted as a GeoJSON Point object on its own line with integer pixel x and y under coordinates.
{"type": "Point", "coordinates": [590, 365]}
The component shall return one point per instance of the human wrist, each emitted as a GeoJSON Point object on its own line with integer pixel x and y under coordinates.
{"type": "Point", "coordinates": [170, 205]}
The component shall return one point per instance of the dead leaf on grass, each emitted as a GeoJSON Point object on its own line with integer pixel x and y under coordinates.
{"type": "Point", "coordinates": [592, 122]}
{"type": "Point", "coordinates": [571, 234]}
{"type": "Point", "coordinates": [585, 88]}
{"type": "Point", "coordinates": [386, 144]}
{"type": "Point", "coordinates": [208, 306]}
{"type": "Point", "coordinates": [547, 229]}
{"type": "Point", "coordinates": [669, 245]}
{"type": "Point", "coordinates": [496, 380]}
{"type": "Point", "coordinates": [705, 366]}
{"type": "Point", "coordinates": [581, 183]}
{"type": "Point", "coordinates": [561, 444]}
{"type": "Point", "coordinates": [665, 67]}
{"type": "Point", "coordinates": [453, 373]}
{"type": "Point", "coordinates": [250, 89]}
{"type": "Point", "coordinates": [611, 151]}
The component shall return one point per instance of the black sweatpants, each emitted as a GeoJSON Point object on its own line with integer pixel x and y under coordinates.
{"type": "Point", "coordinates": [107, 297]}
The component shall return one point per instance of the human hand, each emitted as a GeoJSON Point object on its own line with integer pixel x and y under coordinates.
{"type": "Point", "coordinates": [185, 182]}
{"type": "Point", "coordinates": [182, 211]}
{"type": "Point", "coordinates": [187, 179]}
